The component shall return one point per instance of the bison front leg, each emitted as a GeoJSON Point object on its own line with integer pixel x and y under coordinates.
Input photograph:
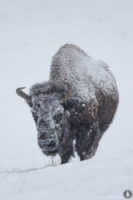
{"type": "Point", "coordinates": [87, 141]}
{"type": "Point", "coordinates": [67, 152]}
{"type": "Point", "coordinates": [66, 147]}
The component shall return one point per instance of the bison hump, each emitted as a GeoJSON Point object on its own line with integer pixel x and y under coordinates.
{"type": "Point", "coordinates": [85, 74]}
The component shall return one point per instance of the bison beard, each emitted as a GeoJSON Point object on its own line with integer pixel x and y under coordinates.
{"type": "Point", "coordinates": [77, 104]}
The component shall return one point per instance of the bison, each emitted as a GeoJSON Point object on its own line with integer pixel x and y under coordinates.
{"type": "Point", "coordinates": [75, 106]}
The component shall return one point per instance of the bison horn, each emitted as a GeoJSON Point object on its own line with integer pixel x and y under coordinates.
{"type": "Point", "coordinates": [68, 93]}
{"type": "Point", "coordinates": [23, 94]}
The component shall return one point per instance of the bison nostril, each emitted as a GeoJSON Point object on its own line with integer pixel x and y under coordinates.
{"type": "Point", "coordinates": [52, 144]}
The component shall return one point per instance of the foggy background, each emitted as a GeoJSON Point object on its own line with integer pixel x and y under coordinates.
{"type": "Point", "coordinates": [31, 31]}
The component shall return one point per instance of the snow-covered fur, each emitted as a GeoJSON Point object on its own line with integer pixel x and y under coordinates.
{"type": "Point", "coordinates": [87, 113]}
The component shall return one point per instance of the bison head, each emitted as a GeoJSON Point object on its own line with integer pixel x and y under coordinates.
{"type": "Point", "coordinates": [46, 101]}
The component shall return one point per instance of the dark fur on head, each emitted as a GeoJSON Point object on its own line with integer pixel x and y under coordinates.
{"type": "Point", "coordinates": [49, 114]}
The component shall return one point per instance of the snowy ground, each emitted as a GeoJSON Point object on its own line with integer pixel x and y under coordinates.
{"type": "Point", "coordinates": [31, 31]}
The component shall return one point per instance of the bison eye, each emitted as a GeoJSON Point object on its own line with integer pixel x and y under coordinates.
{"type": "Point", "coordinates": [42, 123]}
{"type": "Point", "coordinates": [38, 105]}
{"type": "Point", "coordinates": [58, 117]}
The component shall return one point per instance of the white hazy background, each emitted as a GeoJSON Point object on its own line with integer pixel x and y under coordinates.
{"type": "Point", "coordinates": [31, 31]}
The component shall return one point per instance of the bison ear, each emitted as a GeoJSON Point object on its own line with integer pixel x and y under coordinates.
{"type": "Point", "coordinates": [35, 117]}
{"type": "Point", "coordinates": [29, 103]}
{"type": "Point", "coordinates": [68, 91]}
